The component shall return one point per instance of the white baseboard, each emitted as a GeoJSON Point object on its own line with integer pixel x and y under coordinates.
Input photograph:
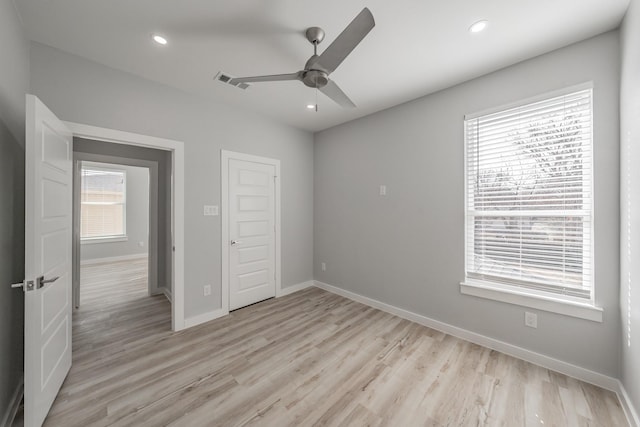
{"type": "Point", "coordinates": [167, 293]}
{"type": "Point", "coordinates": [14, 405]}
{"type": "Point", "coordinates": [295, 288]}
{"type": "Point", "coordinates": [215, 314]}
{"type": "Point", "coordinates": [568, 369]}
{"type": "Point", "coordinates": [204, 317]}
{"type": "Point", "coordinates": [113, 259]}
{"type": "Point", "coordinates": [627, 405]}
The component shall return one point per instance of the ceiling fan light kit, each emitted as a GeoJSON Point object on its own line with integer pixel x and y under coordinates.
{"type": "Point", "coordinates": [318, 68]}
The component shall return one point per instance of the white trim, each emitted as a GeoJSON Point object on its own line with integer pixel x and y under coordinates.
{"type": "Point", "coordinates": [14, 405]}
{"type": "Point", "coordinates": [565, 368]}
{"type": "Point", "coordinates": [167, 293]}
{"type": "Point", "coordinates": [224, 223]}
{"type": "Point", "coordinates": [533, 99]}
{"type": "Point", "coordinates": [295, 288]}
{"type": "Point", "coordinates": [205, 317]}
{"type": "Point", "coordinates": [225, 156]}
{"type": "Point", "coordinates": [627, 406]}
{"type": "Point", "coordinates": [221, 312]}
{"type": "Point", "coordinates": [521, 297]}
{"type": "Point", "coordinates": [131, 257]}
{"type": "Point", "coordinates": [98, 240]}
{"type": "Point", "coordinates": [177, 150]}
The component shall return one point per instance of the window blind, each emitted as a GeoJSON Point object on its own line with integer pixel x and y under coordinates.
{"type": "Point", "coordinates": [103, 199]}
{"type": "Point", "coordinates": [529, 196]}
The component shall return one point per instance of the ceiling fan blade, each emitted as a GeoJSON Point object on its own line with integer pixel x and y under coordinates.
{"type": "Point", "coordinates": [271, 78]}
{"type": "Point", "coordinates": [332, 90]}
{"type": "Point", "coordinates": [344, 44]}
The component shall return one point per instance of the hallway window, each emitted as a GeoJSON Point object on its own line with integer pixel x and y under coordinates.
{"type": "Point", "coordinates": [103, 203]}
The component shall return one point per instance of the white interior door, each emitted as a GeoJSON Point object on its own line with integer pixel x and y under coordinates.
{"type": "Point", "coordinates": [48, 240]}
{"type": "Point", "coordinates": [252, 232]}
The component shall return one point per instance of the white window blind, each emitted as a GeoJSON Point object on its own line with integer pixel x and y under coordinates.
{"type": "Point", "coordinates": [103, 203]}
{"type": "Point", "coordinates": [529, 197]}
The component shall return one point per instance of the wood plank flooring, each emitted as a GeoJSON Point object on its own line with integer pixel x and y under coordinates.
{"type": "Point", "coordinates": [310, 358]}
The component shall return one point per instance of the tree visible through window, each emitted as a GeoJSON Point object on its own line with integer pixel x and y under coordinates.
{"type": "Point", "coordinates": [529, 196]}
{"type": "Point", "coordinates": [103, 202]}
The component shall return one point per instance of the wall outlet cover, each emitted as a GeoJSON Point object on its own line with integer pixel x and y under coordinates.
{"type": "Point", "coordinates": [207, 290]}
{"type": "Point", "coordinates": [530, 319]}
{"type": "Point", "coordinates": [210, 210]}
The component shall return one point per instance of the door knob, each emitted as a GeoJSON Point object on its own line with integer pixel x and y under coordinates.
{"type": "Point", "coordinates": [41, 281]}
{"type": "Point", "coordinates": [235, 242]}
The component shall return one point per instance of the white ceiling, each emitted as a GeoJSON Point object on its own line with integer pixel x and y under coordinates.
{"type": "Point", "coordinates": [416, 48]}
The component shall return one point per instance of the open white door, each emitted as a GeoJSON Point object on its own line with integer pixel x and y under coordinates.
{"type": "Point", "coordinates": [47, 318]}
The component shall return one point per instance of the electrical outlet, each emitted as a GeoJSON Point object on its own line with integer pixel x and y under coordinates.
{"type": "Point", "coordinates": [530, 319]}
{"type": "Point", "coordinates": [207, 290]}
{"type": "Point", "coordinates": [324, 266]}
{"type": "Point", "coordinates": [383, 190]}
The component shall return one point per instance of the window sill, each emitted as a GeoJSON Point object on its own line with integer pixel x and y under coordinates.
{"type": "Point", "coordinates": [114, 239]}
{"type": "Point", "coordinates": [554, 305]}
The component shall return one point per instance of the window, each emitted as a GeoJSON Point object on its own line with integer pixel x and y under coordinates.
{"type": "Point", "coordinates": [529, 198]}
{"type": "Point", "coordinates": [103, 203]}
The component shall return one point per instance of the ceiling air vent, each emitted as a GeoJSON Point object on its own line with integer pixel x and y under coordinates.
{"type": "Point", "coordinates": [226, 78]}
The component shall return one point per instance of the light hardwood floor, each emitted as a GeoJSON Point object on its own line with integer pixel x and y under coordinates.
{"type": "Point", "coordinates": [310, 358]}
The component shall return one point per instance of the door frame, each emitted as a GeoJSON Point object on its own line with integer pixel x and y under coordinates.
{"type": "Point", "coordinates": [225, 156]}
{"type": "Point", "coordinates": [177, 199]}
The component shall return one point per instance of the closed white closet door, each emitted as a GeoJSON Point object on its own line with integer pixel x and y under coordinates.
{"type": "Point", "coordinates": [252, 231]}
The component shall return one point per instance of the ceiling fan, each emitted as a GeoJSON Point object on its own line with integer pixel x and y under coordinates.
{"type": "Point", "coordinates": [318, 68]}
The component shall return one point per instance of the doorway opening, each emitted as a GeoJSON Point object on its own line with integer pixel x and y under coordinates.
{"type": "Point", "coordinates": [122, 222]}
{"type": "Point", "coordinates": [164, 159]}
{"type": "Point", "coordinates": [114, 234]}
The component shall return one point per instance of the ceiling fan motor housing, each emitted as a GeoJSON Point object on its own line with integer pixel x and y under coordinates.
{"type": "Point", "coordinates": [315, 78]}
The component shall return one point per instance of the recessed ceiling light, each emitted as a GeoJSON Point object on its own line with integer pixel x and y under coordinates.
{"type": "Point", "coordinates": [159, 39]}
{"type": "Point", "coordinates": [311, 106]}
{"type": "Point", "coordinates": [478, 26]}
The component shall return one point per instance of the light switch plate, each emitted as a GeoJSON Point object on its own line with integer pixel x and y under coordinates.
{"type": "Point", "coordinates": [210, 210]}
{"type": "Point", "coordinates": [383, 190]}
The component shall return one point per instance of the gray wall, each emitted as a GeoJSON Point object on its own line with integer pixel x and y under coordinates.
{"type": "Point", "coordinates": [407, 249]}
{"type": "Point", "coordinates": [82, 91]}
{"type": "Point", "coordinates": [137, 221]}
{"type": "Point", "coordinates": [14, 79]}
{"type": "Point", "coordinates": [630, 197]}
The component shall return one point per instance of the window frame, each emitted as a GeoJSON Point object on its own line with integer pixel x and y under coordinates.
{"type": "Point", "coordinates": [105, 238]}
{"type": "Point", "coordinates": [517, 294]}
